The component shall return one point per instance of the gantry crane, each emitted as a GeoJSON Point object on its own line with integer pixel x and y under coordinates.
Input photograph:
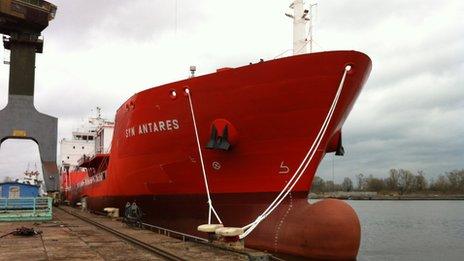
{"type": "Point", "coordinates": [21, 23]}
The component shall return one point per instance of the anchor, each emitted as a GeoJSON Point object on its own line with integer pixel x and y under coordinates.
{"type": "Point", "coordinates": [219, 142]}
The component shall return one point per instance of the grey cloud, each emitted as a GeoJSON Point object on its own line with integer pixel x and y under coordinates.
{"type": "Point", "coordinates": [434, 58]}
{"type": "Point", "coordinates": [408, 115]}
{"type": "Point", "coordinates": [80, 24]}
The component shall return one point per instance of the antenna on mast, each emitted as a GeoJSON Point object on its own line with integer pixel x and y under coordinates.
{"type": "Point", "coordinates": [310, 19]}
{"type": "Point", "coordinates": [300, 17]}
{"type": "Point", "coordinates": [98, 112]}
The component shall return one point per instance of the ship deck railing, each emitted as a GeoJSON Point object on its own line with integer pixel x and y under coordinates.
{"type": "Point", "coordinates": [26, 209]}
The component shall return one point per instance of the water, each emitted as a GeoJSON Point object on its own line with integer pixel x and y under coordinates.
{"type": "Point", "coordinates": [411, 230]}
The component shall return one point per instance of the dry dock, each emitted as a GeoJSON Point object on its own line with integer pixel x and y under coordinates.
{"type": "Point", "coordinates": [67, 237]}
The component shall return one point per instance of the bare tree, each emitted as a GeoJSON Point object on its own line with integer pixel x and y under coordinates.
{"type": "Point", "coordinates": [456, 180]}
{"type": "Point", "coordinates": [420, 183]}
{"type": "Point", "coordinates": [361, 181]}
{"type": "Point", "coordinates": [347, 184]}
{"type": "Point", "coordinates": [392, 180]}
{"type": "Point", "coordinates": [441, 184]}
{"type": "Point", "coordinates": [405, 181]}
{"type": "Point", "coordinates": [330, 186]}
{"type": "Point", "coordinates": [374, 184]}
{"type": "Point", "coordinates": [318, 184]}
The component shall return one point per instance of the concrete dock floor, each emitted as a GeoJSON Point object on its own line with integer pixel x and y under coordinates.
{"type": "Point", "coordinates": [69, 238]}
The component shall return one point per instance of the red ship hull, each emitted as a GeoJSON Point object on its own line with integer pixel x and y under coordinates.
{"type": "Point", "coordinates": [274, 111]}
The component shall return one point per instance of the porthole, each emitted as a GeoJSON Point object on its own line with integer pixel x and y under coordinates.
{"type": "Point", "coordinates": [173, 94]}
{"type": "Point", "coordinates": [349, 68]}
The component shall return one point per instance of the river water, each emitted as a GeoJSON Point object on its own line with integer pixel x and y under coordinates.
{"type": "Point", "coordinates": [411, 230]}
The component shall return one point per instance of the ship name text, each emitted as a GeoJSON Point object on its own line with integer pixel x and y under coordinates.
{"type": "Point", "coordinates": [91, 180]}
{"type": "Point", "coordinates": [152, 127]}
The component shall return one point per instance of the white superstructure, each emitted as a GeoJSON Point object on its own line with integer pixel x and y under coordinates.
{"type": "Point", "coordinates": [93, 137]}
{"type": "Point", "coordinates": [103, 139]}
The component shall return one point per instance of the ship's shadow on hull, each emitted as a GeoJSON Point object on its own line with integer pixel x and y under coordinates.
{"type": "Point", "coordinates": [296, 230]}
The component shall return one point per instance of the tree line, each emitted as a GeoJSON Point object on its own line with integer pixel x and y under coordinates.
{"type": "Point", "coordinates": [400, 181]}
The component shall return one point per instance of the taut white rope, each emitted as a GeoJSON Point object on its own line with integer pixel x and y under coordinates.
{"type": "Point", "coordinates": [210, 202]}
{"type": "Point", "coordinates": [304, 164]}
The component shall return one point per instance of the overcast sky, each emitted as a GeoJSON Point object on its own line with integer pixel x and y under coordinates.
{"type": "Point", "coordinates": [409, 115]}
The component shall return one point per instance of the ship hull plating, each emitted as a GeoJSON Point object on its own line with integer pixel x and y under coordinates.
{"type": "Point", "coordinates": [273, 112]}
{"type": "Point", "coordinates": [328, 229]}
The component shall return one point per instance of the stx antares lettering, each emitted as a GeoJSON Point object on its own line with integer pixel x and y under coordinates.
{"type": "Point", "coordinates": [153, 127]}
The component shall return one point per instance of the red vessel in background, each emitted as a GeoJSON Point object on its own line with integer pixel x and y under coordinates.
{"type": "Point", "coordinates": [243, 145]}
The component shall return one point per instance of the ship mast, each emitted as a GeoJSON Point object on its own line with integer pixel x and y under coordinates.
{"type": "Point", "coordinates": [300, 17]}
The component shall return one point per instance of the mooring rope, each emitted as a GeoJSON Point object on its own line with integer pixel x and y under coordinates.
{"type": "Point", "coordinates": [303, 166]}
{"type": "Point", "coordinates": [210, 202]}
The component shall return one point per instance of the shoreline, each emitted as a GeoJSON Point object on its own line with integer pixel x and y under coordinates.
{"type": "Point", "coordinates": [385, 197]}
